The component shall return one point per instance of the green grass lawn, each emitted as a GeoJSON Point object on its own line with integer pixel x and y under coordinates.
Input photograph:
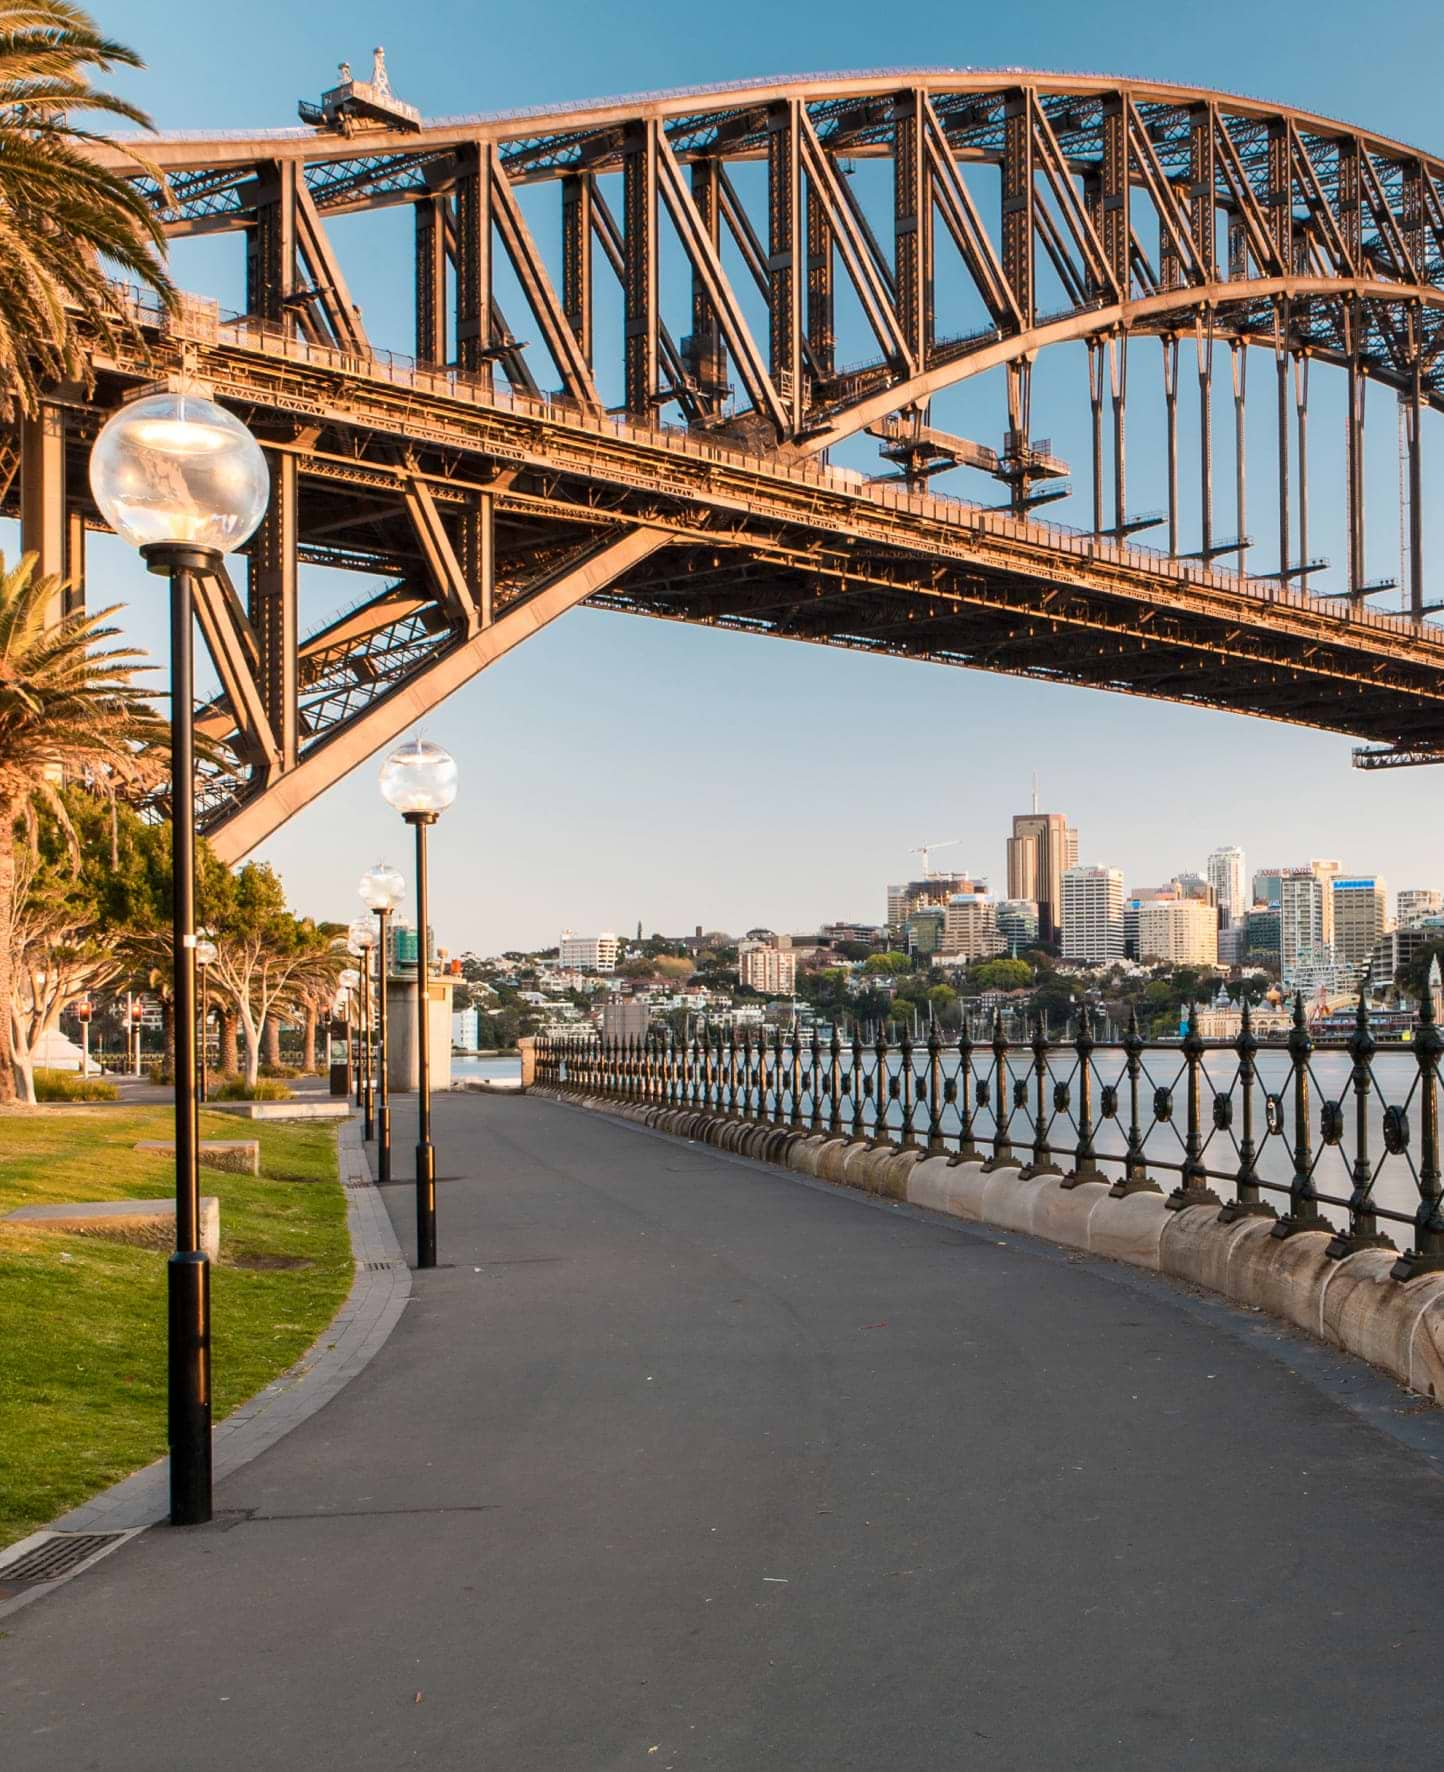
{"type": "Point", "coordinates": [82, 1318]}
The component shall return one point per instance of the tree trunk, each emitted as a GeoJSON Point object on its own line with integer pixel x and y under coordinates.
{"type": "Point", "coordinates": [273, 1039]}
{"type": "Point", "coordinates": [253, 1051]}
{"type": "Point", "coordinates": [7, 958]}
{"type": "Point", "coordinates": [230, 1042]}
{"type": "Point", "coordinates": [308, 1059]}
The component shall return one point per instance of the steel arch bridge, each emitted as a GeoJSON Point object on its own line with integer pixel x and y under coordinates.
{"type": "Point", "coordinates": [675, 464]}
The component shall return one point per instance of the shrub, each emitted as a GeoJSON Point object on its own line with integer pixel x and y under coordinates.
{"type": "Point", "coordinates": [160, 1073]}
{"type": "Point", "coordinates": [266, 1089]}
{"type": "Point", "coordinates": [71, 1086]}
{"type": "Point", "coordinates": [284, 1071]}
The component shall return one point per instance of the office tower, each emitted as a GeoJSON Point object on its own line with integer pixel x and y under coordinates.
{"type": "Point", "coordinates": [1178, 931]}
{"type": "Point", "coordinates": [970, 930]}
{"type": "Point", "coordinates": [1043, 845]}
{"type": "Point", "coordinates": [1266, 886]}
{"type": "Point", "coordinates": [1018, 923]}
{"type": "Point", "coordinates": [1301, 922]}
{"type": "Point", "coordinates": [1092, 915]}
{"type": "Point", "coordinates": [1361, 915]}
{"type": "Point", "coordinates": [1261, 937]}
{"type": "Point", "coordinates": [923, 931]}
{"type": "Point", "coordinates": [1225, 870]}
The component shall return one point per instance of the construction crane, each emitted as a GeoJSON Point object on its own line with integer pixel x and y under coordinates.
{"type": "Point", "coordinates": [923, 849]}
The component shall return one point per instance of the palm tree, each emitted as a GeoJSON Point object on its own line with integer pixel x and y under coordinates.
{"type": "Point", "coordinates": [69, 710]}
{"type": "Point", "coordinates": [64, 218]}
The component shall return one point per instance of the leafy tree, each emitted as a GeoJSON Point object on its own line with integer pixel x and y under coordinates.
{"type": "Point", "coordinates": [65, 219]}
{"type": "Point", "coordinates": [891, 964]}
{"type": "Point", "coordinates": [69, 709]}
{"type": "Point", "coordinates": [1001, 975]}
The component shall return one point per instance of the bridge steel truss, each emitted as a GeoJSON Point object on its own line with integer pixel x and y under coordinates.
{"type": "Point", "coordinates": [484, 482]}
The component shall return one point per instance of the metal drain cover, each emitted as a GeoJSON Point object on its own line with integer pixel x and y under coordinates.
{"type": "Point", "coordinates": [60, 1553]}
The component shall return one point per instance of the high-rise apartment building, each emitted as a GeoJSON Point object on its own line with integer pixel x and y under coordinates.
{"type": "Point", "coordinates": [1092, 915]}
{"type": "Point", "coordinates": [588, 953]}
{"type": "Point", "coordinates": [1225, 870]}
{"type": "Point", "coordinates": [1415, 902]}
{"type": "Point", "coordinates": [970, 931]}
{"type": "Point", "coordinates": [1301, 923]}
{"type": "Point", "coordinates": [764, 967]}
{"type": "Point", "coordinates": [1326, 872]}
{"type": "Point", "coordinates": [1178, 932]}
{"type": "Point", "coordinates": [1266, 886]}
{"type": "Point", "coordinates": [1361, 916]}
{"type": "Point", "coordinates": [923, 931]}
{"type": "Point", "coordinates": [1042, 847]}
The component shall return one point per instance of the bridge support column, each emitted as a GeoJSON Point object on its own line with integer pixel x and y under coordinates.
{"type": "Point", "coordinates": [785, 258]}
{"type": "Point", "coordinates": [1239, 364]}
{"type": "Point", "coordinates": [272, 605]}
{"type": "Point", "coordinates": [1301, 408]}
{"type": "Point", "coordinates": [821, 333]}
{"type": "Point", "coordinates": [271, 247]}
{"type": "Point", "coordinates": [577, 257]}
{"type": "Point", "coordinates": [1281, 367]}
{"type": "Point", "coordinates": [1118, 376]}
{"type": "Point", "coordinates": [431, 319]}
{"type": "Point", "coordinates": [43, 525]}
{"type": "Point", "coordinates": [473, 265]}
{"type": "Point", "coordinates": [478, 554]}
{"type": "Point", "coordinates": [1170, 401]}
{"type": "Point", "coordinates": [1354, 456]}
{"type": "Point", "coordinates": [1413, 413]}
{"type": "Point", "coordinates": [912, 213]}
{"type": "Point", "coordinates": [707, 358]}
{"type": "Point", "coordinates": [639, 221]}
{"type": "Point", "coordinates": [1203, 344]}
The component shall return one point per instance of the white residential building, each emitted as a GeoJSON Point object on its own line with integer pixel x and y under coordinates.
{"type": "Point", "coordinates": [463, 1030]}
{"type": "Point", "coordinates": [1226, 875]}
{"type": "Point", "coordinates": [1416, 902]}
{"type": "Point", "coordinates": [1092, 905]}
{"type": "Point", "coordinates": [1302, 943]}
{"type": "Point", "coordinates": [588, 953]}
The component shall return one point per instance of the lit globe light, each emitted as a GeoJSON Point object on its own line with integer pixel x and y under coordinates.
{"type": "Point", "coordinates": [176, 469]}
{"type": "Point", "coordinates": [382, 887]}
{"type": "Point", "coordinates": [349, 979]}
{"type": "Point", "coordinates": [205, 951]}
{"type": "Point", "coordinates": [419, 780]}
{"type": "Point", "coordinates": [360, 936]}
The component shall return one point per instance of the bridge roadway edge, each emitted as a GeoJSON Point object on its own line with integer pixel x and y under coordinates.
{"type": "Point", "coordinates": [1351, 1306]}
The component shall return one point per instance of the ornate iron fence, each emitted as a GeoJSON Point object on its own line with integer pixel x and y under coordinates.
{"type": "Point", "coordinates": [1237, 1116]}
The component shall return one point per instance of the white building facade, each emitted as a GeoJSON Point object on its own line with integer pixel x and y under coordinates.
{"type": "Point", "coordinates": [588, 953]}
{"type": "Point", "coordinates": [1092, 900]}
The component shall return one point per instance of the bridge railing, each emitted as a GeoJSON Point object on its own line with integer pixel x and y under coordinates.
{"type": "Point", "coordinates": [1336, 1135]}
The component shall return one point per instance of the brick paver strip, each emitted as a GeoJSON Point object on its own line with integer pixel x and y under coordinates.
{"type": "Point", "coordinates": [353, 1337]}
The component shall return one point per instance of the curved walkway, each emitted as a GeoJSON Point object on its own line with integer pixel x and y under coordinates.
{"type": "Point", "coordinates": [684, 1463]}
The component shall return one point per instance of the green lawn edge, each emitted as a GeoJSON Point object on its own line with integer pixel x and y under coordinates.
{"type": "Point", "coordinates": [82, 1318]}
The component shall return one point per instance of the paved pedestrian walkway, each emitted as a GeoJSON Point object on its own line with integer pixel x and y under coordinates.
{"type": "Point", "coordinates": [680, 1462]}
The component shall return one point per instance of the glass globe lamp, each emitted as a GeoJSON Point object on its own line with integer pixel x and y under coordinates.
{"type": "Point", "coordinates": [360, 935]}
{"type": "Point", "coordinates": [349, 979]}
{"type": "Point", "coordinates": [205, 951]}
{"type": "Point", "coordinates": [419, 780]}
{"type": "Point", "coordinates": [382, 887]}
{"type": "Point", "coordinates": [177, 470]}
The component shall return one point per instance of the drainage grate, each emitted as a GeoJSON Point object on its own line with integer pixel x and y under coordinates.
{"type": "Point", "coordinates": [62, 1553]}
{"type": "Point", "coordinates": [380, 1267]}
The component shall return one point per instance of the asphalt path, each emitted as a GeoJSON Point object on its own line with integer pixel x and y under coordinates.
{"type": "Point", "coordinates": [681, 1462]}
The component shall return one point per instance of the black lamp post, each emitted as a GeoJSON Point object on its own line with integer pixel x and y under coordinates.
{"type": "Point", "coordinates": [184, 481]}
{"type": "Point", "coordinates": [419, 780]}
{"type": "Point", "coordinates": [361, 939]}
{"type": "Point", "coordinates": [382, 889]}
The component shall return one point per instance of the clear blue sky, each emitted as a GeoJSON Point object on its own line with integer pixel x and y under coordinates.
{"type": "Point", "coordinates": [616, 769]}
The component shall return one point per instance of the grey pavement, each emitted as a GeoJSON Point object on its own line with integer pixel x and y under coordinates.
{"type": "Point", "coordinates": [680, 1462]}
